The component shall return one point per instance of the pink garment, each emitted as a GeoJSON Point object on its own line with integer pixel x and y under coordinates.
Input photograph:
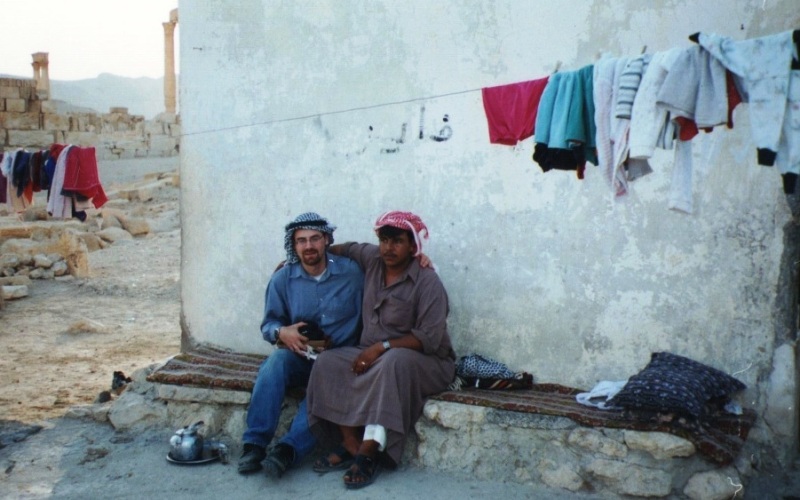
{"type": "Point", "coordinates": [81, 175]}
{"type": "Point", "coordinates": [511, 110]}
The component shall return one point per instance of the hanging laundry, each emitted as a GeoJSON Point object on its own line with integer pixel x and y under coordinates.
{"type": "Point", "coordinates": [695, 88]}
{"type": "Point", "coordinates": [628, 83]}
{"type": "Point", "coordinates": [58, 205]}
{"type": "Point", "coordinates": [650, 125]}
{"type": "Point", "coordinates": [695, 94]}
{"type": "Point", "coordinates": [765, 65]}
{"type": "Point", "coordinates": [81, 175]}
{"type": "Point", "coordinates": [565, 129]}
{"type": "Point", "coordinates": [511, 110]}
{"type": "Point", "coordinates": [610, 130]}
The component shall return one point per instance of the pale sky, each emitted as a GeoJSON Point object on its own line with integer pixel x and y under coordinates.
{"type": "Point", "coordinates": [85, 37]}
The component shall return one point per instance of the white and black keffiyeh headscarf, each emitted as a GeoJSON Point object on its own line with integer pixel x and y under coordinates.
{"type": "Point", "coordinates": [308, 220]}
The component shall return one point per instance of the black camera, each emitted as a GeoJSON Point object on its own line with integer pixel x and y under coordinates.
{"type": "Point", "coordinates": [311, 331]}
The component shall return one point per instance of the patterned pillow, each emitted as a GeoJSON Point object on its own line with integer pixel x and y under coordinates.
{"type": "Point", "coordinates": [672, 383]}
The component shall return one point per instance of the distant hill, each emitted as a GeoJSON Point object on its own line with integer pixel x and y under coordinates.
{"type": "Point", "coordinates": [142, 96]}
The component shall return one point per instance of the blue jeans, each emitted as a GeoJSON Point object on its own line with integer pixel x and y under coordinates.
{"type": "Point", "coordinates": [282, 369]}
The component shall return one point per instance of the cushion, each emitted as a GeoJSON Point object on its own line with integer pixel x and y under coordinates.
{"type": "Point", "coordinates": [671, 383]}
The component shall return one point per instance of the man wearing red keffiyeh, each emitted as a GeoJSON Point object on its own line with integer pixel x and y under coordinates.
{"type": "Point", "coordinates": [404, 356]}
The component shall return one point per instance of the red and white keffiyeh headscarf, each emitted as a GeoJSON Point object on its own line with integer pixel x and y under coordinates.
{"type": "Point", "coordinates": [407, 221]}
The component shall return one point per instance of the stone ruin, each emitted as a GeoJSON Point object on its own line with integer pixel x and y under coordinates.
{"type": "Point", "coordinates": [35, 247]}
{"type": "Point", "coordinates": [30, 118]}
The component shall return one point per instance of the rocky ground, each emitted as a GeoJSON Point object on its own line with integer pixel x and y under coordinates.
{"type": "Point", "coordinates": [63, 342]}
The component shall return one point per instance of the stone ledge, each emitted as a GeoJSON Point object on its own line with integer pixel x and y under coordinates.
{"type": "Point", "coordinates": [507, 445]}
{"type": "Point", "coordinates": [502, 438]}
{"type": "Point", "coordinates": [198, 395]}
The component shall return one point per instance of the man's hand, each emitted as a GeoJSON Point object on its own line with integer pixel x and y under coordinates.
{"type": "Point", "coordinates": [366, 357]}
{"type": "Point", "coordinates": [293, 339]}
{"type": "Point", "coordinates": [424, 261]}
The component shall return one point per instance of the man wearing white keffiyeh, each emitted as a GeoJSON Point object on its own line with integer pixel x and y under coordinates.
{"type": "Point", "coordinates": [313, 288]}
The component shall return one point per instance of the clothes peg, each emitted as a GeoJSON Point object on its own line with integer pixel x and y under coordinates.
{"type": "Point", "coordinates": [644, 49]}
{"type": "Point", "coordinates": [695, 37]}
{"type": "Point", "coordinates": [558, 66]}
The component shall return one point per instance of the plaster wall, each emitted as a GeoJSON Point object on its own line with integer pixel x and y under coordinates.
{"type": "Point", "coordinates": [354, 110]}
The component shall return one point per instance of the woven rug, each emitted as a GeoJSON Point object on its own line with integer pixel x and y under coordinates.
{"type": "Point", "coordinates": [210, 368]}
{"type": "Point", "coordinates": [719, 439]}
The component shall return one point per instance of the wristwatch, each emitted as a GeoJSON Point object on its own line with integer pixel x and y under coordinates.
{"type": "Point", "coordinates": [277, 334]}
{"type": "Point", "coordinates": [386, 345]}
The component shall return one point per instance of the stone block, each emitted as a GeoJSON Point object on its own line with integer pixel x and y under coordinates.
{"type": "Point", "coordinates": [135, 226]}
{"type": "Point", "coordinates": [714, 485]}
{"type": "Point", "coordinates": [60, 268]}
{"type": "Point", "coordinates": [236, 424]}
{"type": "Point", "coordinates": [21, 121]}
{"type": "Point", "coordinates": [560, 475]}
{"type": "Point", "coordinates": [97, 412]}
{"type": "Point", "coordinates": [56, 122]}
{"type": "Point", "coordinates": [133, 410]}
{"type": "Point", "coordinates": [8, 259]}
{"type": "Point", "coordinates": [42, 261]}
{"type": "Point", "coordinates": [162, 143]}
{"type": "Point", "coordinates": [154, 128]}
{"type": "Point", "coordinates": [92, 241]}
{"type": "Point", "coordinates": [30, 138]}
{"type": "Point", "coordinates": [34, 213]}
{"type": "Point", "coordinates": [81, 138]}
{"type": "Point", "coordinates": [628, 479]}
{"type": "Point", "coordinates": [16, 105]}
{"type": "Point", "coordinates": [596, 441]}
{"type": "Point", "coordinates": [9, 92]}
{"type": "Point", "coordinates": [114, 234]}
{"type": "Point", "coordinates": [49, 107]}
{"type": "Point", "coordinates": [130, 143]}
{"type": "Point", "coordinates": [201, 395]}
{"type": "Point", "coordinates": [11, 292]}
{"type": "Point", "coordinates": [15, 280]}
{"type": "Point", "coordinates": [454, 415]}
{"type": "Point", "coordinates": [659, 444]}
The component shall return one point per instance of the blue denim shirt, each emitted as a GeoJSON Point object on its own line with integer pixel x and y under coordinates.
{"type": "Point", "coordinates": [334, 301]}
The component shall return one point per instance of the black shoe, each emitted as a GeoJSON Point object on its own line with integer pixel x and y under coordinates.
{"type": "Point", "coordinates": [252, 456]}
{"type": "Point", "coordinates": [280, 458]}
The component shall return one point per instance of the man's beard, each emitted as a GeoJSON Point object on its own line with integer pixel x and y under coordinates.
{"type": "Point", "coordinates": [311, 257]}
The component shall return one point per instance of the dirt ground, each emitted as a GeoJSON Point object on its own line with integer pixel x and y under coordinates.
{"type": "Point", "coordinates": [64, 341]}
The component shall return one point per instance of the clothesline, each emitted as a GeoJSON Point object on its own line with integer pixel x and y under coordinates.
{"type": "Point", "coordinates": [327, 113]}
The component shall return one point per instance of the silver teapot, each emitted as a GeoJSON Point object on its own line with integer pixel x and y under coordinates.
{"type": "Point", "coordinates": [187, 445]}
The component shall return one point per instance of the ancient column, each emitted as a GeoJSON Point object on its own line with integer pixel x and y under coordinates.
{"type": "Point", "coordinates": [169, 62]}
{"type": "Point", "coordinates": [41, 75]}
